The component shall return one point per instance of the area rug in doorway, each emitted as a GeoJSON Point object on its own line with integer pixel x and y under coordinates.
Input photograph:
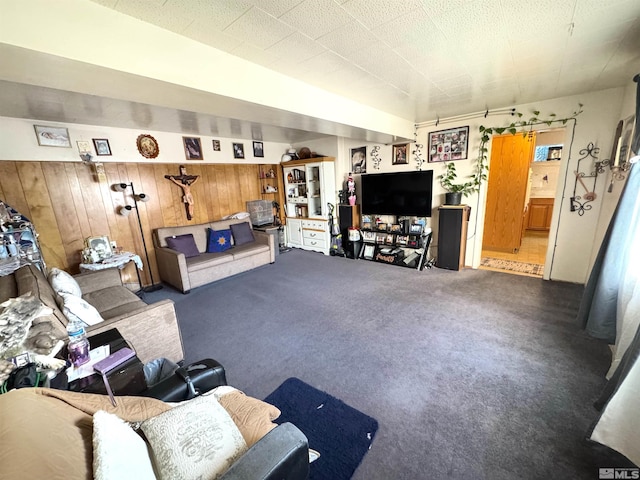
{"type": "Point", "coordinates": [520, 267]}
{"type": "Point", "coordinates": [341, 434]}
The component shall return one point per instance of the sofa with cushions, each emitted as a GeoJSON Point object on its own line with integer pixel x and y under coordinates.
{"type": "Point", "coordinates": [194, 255]}
{"type": "Point", "coordinates": [101, 300]}
{"type": "Point", "coordinates": [225, 434]}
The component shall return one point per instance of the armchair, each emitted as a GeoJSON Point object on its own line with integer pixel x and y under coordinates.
{"type": "Point", "coordinates": [46, 433]}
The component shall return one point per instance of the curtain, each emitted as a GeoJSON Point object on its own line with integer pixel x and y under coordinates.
{"type": "Point", "coordinates": [610, 310]}
{"type": "Point", "coordinates": [599, 307]}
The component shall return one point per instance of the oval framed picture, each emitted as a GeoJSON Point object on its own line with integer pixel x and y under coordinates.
{"type": "Point", "coordinates": [147, 146]}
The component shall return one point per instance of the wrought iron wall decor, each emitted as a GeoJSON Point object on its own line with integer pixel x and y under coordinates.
{"type": "Point", "coordinates": [582, 203]}
{"type": "Point", "coordinates": [375, 157]}
{"type": "Point", "coordinates": [417, 152]}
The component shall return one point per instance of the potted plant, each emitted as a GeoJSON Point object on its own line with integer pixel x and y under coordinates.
{"type": "Point", "coordinates": [455, 191]}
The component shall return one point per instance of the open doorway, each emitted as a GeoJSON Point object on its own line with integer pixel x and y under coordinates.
{"type": "Point", "coordinates": [523, 176]}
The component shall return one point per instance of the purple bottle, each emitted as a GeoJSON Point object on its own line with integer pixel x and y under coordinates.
{"type": "Point", "coordinates": [78, 344]}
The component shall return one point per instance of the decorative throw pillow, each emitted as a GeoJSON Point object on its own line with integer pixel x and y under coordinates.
{"type": "Point", "coordinates": [219, 240]}
{"type": "Point", "coordinates": [118, 451]}
{"type": "Point", "coordinates": [196, 439]}
{"type": "Point", "coordinates": [242, 233]}
{"type": "Point", "coordinates": [78, 308]}
{"type": "Point", "coordinates": [61, 282]}
{"type": "Point", "coordinates": [184, 244]}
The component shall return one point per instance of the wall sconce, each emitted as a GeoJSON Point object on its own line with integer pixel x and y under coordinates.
{"type": "Point", "coordinates": [125, 211]}
{"type": "Point", "coordinates": [620, 162]}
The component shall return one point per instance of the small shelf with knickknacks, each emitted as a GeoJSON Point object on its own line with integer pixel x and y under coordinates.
{"type": "Point", "coordinates": [404, 244]}
{"type": "Point", "coordinates": [268, 179]}
{"type": "Point", "coordinates": [18, 241]}
{"type": "Point", "coordinates": [270, 182]}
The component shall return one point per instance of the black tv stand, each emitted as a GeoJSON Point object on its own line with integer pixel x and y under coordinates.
{"type": "Point", "coordinates": [412, 255]}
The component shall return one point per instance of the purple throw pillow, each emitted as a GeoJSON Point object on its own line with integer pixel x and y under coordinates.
{"type": "Point", "coordinates": [242, 233]}
{"type": "Point", "coordinates": [183, 244]}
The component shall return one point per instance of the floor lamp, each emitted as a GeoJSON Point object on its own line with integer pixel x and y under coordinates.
{"type": "Point", "coordinates": [125, 211]}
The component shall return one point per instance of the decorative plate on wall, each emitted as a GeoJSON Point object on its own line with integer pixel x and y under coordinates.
{"type": "Point", "coordinates": [147, 146]}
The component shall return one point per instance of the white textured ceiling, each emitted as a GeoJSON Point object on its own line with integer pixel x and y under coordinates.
{"type": "Point", "coordinates": [420, 59]}
{"type": "Point", "coordinates": [417, 59]}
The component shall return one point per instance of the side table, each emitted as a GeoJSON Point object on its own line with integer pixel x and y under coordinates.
{"type": "Point", "coordinates": [119, 261]}
{"type": "Point", "coordinates": [127, 379]}
{"type": "Point", "coordinates": [274, 231]}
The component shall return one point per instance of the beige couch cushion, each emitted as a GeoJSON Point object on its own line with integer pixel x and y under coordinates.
{"type": "Point", "coordinates": [30, 279]}
{"type": "Point", "coordinates": [247, 250]}
{"type": "Point", "coordinates": [207, 260]}
{"type": "Point", "coordinates": [226, 224]}
{"type": "Point", "coordinates": [113, 301]}
{"type": "Point", "coordinates": [199, 233]}
{"type": "Point", "coordinates": [46, 433]}
{"type": "Point", "coordinates": [8, 288]}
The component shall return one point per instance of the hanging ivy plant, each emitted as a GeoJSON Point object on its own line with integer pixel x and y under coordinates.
{"type": "Point", "coordinates": [447, 179]}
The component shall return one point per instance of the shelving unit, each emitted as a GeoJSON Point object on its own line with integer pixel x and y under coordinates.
{"type": "Point", "coordinates": [309, 186]}
{"type": "Point", "coordinates": [396, 247]}
{"type": "Point", "coordinates": [270, 178]}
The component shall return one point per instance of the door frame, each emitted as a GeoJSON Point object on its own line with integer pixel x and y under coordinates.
{"type": "Point", "coordinates": [481, 204]}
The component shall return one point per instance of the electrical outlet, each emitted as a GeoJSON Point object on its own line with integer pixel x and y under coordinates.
{"type": "Point", "coordinates": [113, 244]}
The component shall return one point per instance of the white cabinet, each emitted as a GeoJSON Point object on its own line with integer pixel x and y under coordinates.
{"type": "Point", "coordinates": [309, 188]}
{"type": "Point", "coordinates": [294, 232]}
{"type": "Point", "coordinates": [315, 235]}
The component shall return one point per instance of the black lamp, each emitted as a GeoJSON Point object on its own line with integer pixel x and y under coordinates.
{"type": "Point", "coordinates": [125, 211]}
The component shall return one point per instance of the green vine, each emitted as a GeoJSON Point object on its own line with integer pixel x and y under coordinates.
{"type": "Point", "coordinates": [447, 179]}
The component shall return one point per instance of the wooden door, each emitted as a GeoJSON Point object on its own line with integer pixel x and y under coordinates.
{"type": "Point", "coordinates": [506, 191]}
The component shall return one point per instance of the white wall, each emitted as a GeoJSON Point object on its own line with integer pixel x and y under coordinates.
{"type": "Point", "coordinates": [544, 179]}
{"type": "Point", "coordinates": [576, 237]}
{"type": "Point", "coordinates": [572, 236]}
{"type": "Point", "coordinates": [610, 199]}
{"type": "Point", "coordinates": [18, 142]}
{"type": "Point", "coordinates": [88, 32]}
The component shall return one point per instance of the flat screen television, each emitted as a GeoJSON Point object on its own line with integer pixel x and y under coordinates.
{"type": "Point", "coordinates": [402, 194]}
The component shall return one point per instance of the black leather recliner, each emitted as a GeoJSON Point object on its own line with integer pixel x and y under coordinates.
{"type": "Point", "coordinates": [282, 454]}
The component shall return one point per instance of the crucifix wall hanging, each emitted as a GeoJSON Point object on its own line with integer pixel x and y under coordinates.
{"type": "Point", "coordinates": [185, 182]}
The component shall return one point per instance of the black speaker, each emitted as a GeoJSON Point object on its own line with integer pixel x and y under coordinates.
{"type": "Point", "coordinates": [348, 216]}
{"type": "Point", "coordinates": [452, 237]}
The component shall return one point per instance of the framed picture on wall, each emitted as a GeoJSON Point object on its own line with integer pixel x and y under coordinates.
{"type": "Point", "coordinates": [52, 136]}
{"type": "Point", "coordinates": [449, 145]}
{"type": "Point", "coordinates": [359, 160]}
{"type": "Point", "coordinates": [102, 146]}
{"type": "Point", "coordinates": [238, 150]}
{"type": "Point", "coordinates": [192, 148]}
{"type": "Point", "coordinates": [216, 145]}
{"type": "Point", "coordinates": [400, 156]}
{"type": "Point", "coordinates": [258, 149]}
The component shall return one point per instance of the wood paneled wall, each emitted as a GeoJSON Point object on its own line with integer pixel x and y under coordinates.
{"type": "Point", "coordinates": [67, 203]}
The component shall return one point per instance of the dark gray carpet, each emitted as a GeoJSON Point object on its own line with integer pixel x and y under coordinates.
{"type": "Point", "coordinates": [471, 375]}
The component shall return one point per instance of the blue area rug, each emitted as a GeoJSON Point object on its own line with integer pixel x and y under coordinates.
{"type": "Point", "coordinates": [339, 432]}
